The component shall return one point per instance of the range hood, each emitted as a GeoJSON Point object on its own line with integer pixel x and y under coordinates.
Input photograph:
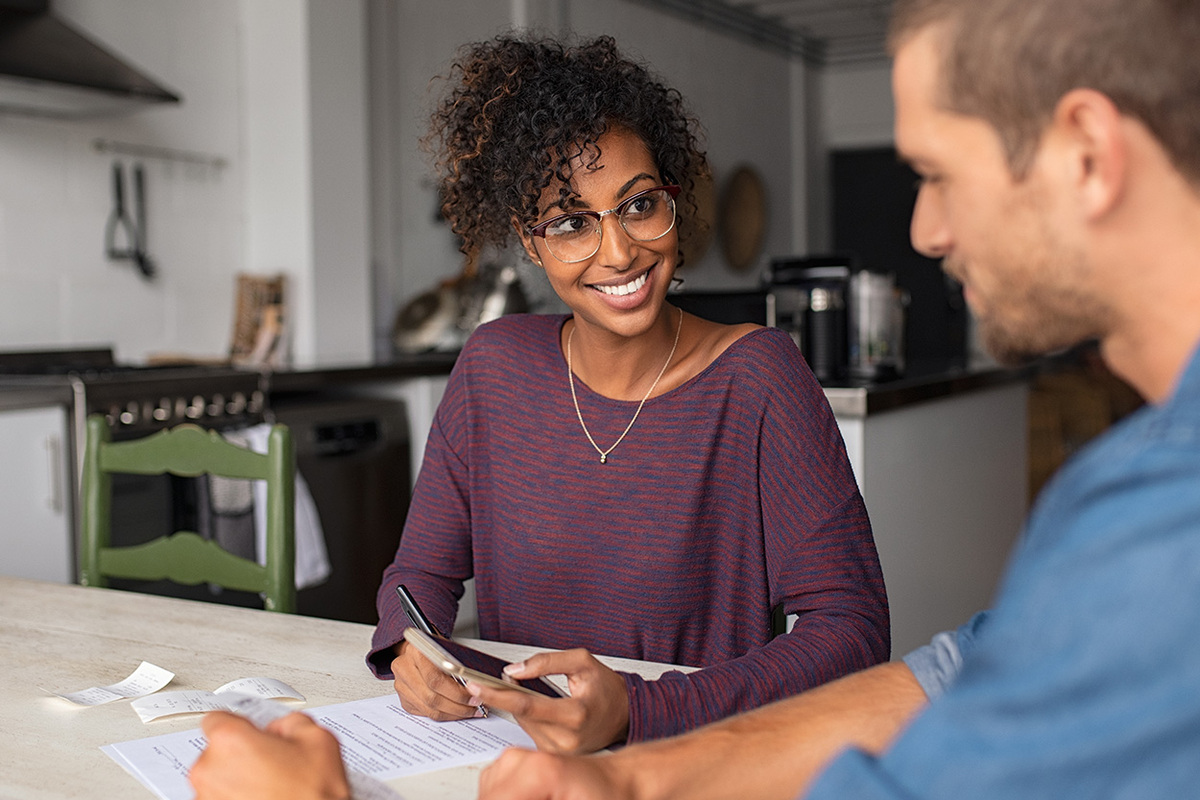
{"type": "Point", "coordinates": [49, 69]}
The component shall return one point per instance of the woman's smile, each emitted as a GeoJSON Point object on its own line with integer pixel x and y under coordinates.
{"type": "Point", "coordinates": [624, 288]}
{"type": "Point", "coordinates": [623, 293]}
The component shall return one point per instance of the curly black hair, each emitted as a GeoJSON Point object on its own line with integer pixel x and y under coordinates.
{"type": "Point", "coordinates": [521, 109]}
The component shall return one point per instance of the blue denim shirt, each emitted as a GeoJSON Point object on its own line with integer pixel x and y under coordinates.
{"type": "Point", "coordinates": [1084, 679]}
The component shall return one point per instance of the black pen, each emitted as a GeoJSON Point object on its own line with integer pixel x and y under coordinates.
{"type": "Point", "coordinates": [414, 613]}
{"type": "Point", "coordinates": [421, 622]}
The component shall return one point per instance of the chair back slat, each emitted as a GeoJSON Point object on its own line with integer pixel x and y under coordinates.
{"type": "Point", "coordinates": [185, 558]}
{"type": "Point", "coordinates": [187, 451]}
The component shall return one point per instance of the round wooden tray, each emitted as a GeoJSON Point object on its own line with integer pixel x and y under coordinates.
{"type": "Point", "coordinates": [742, 218]}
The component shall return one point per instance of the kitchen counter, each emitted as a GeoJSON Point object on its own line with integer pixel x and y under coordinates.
{"type": "Point", "coordinates": [940, 458]}
{"type": "Point", "coordinates": [21, 393]}
{"type": "Point", "coordinates": [918, 385]}
{"type": "Point", "coordinates": [328, 375]}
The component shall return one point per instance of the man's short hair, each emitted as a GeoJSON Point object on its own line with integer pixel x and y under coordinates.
{"type": "Point", "coordinates": [1010, 61]}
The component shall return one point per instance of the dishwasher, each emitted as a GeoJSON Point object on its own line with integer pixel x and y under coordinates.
{"type": "Point", "coordinates": [354, 454]}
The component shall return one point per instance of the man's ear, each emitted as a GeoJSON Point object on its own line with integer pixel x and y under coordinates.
{"type": "Point", "coordinates": [1089, 126]}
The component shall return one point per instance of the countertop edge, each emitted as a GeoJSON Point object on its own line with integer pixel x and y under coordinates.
{"type": "Point", "coordinates": [20, 396]}
{"type": "Point", "coordinates": [865, 401]}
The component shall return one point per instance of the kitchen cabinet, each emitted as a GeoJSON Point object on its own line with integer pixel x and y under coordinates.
{"type": "Point", "coordinates": [944, 480]}
{"type": "Point", "coordinates": [35, 494]}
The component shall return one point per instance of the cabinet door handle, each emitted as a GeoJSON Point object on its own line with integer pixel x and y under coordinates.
{"type": "Point", "coordinates": [54, 462]}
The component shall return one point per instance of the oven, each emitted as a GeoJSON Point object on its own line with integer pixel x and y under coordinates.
{"type": "Point", "coordinates": [354, 453]}
{"type": "Point", "coordinates": [138, 401]}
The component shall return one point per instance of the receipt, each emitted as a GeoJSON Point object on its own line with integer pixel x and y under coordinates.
{"type": "Point", "coordinates": [146, 679]}
{"type": "Point", "coordinates": [195, 701]}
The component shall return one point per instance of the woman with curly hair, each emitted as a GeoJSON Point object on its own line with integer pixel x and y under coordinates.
{"type": "Point", "coordinates": [626, 479]}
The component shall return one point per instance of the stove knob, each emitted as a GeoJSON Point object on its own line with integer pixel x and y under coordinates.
{"type": "Point", "coordinates": [216, 408]}
{"type": "Point", "coordinates": [112, 415]}
{"type": "Point", "coordinates": [162, 412]}
{"type": "Point", "coordinates": [181, 407]}
{"type": "Point", "coordinates": [236, 404]}
{"type": "Point", "coordinates": [131, 413]}
{"type": "Point", "coordinates": [255, 406]}
{"type": "Point", "coordinates": [195, 410]}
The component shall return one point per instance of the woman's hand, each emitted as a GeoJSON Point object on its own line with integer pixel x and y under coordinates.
{"type": "Point", "coordinates": [293, 758]}
{"type": "Point", "coordinates": [593, 717]}
{"type": "Point", "coordinates": [426, 691]}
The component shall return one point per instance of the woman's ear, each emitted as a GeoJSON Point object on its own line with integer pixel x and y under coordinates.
{"type": "Point", "coordinates": [527, 243]}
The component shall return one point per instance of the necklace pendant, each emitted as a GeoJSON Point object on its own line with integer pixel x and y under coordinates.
{"type": "Point", "coordinates": [603, 458]}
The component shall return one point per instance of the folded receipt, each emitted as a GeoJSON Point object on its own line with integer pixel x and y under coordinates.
{"type": "Point", "coordinates": [144, 680]}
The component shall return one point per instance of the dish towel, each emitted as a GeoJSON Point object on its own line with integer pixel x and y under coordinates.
{"type": "Point", "coordinates": [312, 559]}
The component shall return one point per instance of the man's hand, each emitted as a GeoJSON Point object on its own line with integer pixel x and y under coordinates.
{"type": "Point", "coordinates": [593, 717]}
{"type": "Point", "coordinates": [528, 775]}
{"type": "Point", "coordinates": [426, 691]}
{"type": "Point", "coordinates": [293, 758]}
{"type": "Point", "coordinates": [770, 753]}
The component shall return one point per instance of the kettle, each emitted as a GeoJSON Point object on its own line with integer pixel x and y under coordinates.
{"type": "Point", "coordinates": [876, 326]}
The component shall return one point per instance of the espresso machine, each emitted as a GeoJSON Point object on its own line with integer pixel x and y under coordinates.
{"type": "Point", "coordinates": [847, 321]}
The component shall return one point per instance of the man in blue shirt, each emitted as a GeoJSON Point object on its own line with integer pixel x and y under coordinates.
{"type": "Point", "coordinates": [1058, 143]}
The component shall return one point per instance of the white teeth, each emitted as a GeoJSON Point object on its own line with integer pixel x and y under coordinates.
{"type": "Point", "coordinates": [626, 288]}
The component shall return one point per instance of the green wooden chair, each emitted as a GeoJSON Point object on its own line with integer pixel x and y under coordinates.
{"type": "Point", "coordinates": [184, 557]}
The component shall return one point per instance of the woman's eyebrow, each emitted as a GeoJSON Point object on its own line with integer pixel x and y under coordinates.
{"type": "Point", "coordinates": [575, 201]}
{"type": "Point", "coordinates": [630, 183]}
{"type": "Point", "coordinates": [563, 204]}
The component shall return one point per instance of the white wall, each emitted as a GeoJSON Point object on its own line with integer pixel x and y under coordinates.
{"type": "Point", "coordinates": [857, 105]}
{"type": "Point", "coordinates": [272, 87]}
{"type": "Point", "coordinates": [56, 286]}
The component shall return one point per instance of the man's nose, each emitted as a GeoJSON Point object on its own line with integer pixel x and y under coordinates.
{"type": "Point", "coordinates": [929, 231]}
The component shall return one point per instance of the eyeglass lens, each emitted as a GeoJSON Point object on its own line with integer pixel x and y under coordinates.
{"type": "Point", "coordinates": [645, 217]}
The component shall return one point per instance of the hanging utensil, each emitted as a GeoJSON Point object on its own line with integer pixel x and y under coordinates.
{"type": "Point", "coordinates": [119, 222]}
{"type": "Point", "coordinates": [140, 255]}
{"type": "Point", "coordinates": [121, 228]}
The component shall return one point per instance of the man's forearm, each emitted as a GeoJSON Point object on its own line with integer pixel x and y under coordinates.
{"type": "Point", "coordinates": [776, 751]}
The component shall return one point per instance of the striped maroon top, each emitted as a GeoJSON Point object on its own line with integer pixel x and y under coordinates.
{"type": "Point", "coordinates": [731, 495]}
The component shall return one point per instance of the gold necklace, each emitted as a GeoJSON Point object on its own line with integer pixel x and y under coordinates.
{"type": "Point", "coordinates": [575, 400]}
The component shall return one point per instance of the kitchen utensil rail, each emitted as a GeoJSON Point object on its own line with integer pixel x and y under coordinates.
{"type": "Point", "coordinates": [162, 153]}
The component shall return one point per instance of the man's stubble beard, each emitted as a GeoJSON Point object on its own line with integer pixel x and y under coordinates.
{"type": "Point", "coordinates": [1049, 313]}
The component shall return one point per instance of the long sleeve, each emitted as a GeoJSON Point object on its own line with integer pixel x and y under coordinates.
{"type": "Point", "coordinates": [937, 664]}
{"type": "Point", "coordinates": [434, 557]}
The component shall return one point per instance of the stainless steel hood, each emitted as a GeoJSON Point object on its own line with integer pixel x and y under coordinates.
{"type": "Point", "coordinates": [49, 69]}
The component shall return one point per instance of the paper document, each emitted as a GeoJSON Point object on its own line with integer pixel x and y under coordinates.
{"type": "Point", "coordinates": [378, 738]}
{"type": "Point", "coordinates": [195, 701]}
{"type": "Point", "coordinates": [146, 679]}
{"type": "Point", "coordinates": [262, 711]}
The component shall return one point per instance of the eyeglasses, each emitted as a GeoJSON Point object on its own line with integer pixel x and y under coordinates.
{"type": "Point", "coordinates": [646, 216]}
